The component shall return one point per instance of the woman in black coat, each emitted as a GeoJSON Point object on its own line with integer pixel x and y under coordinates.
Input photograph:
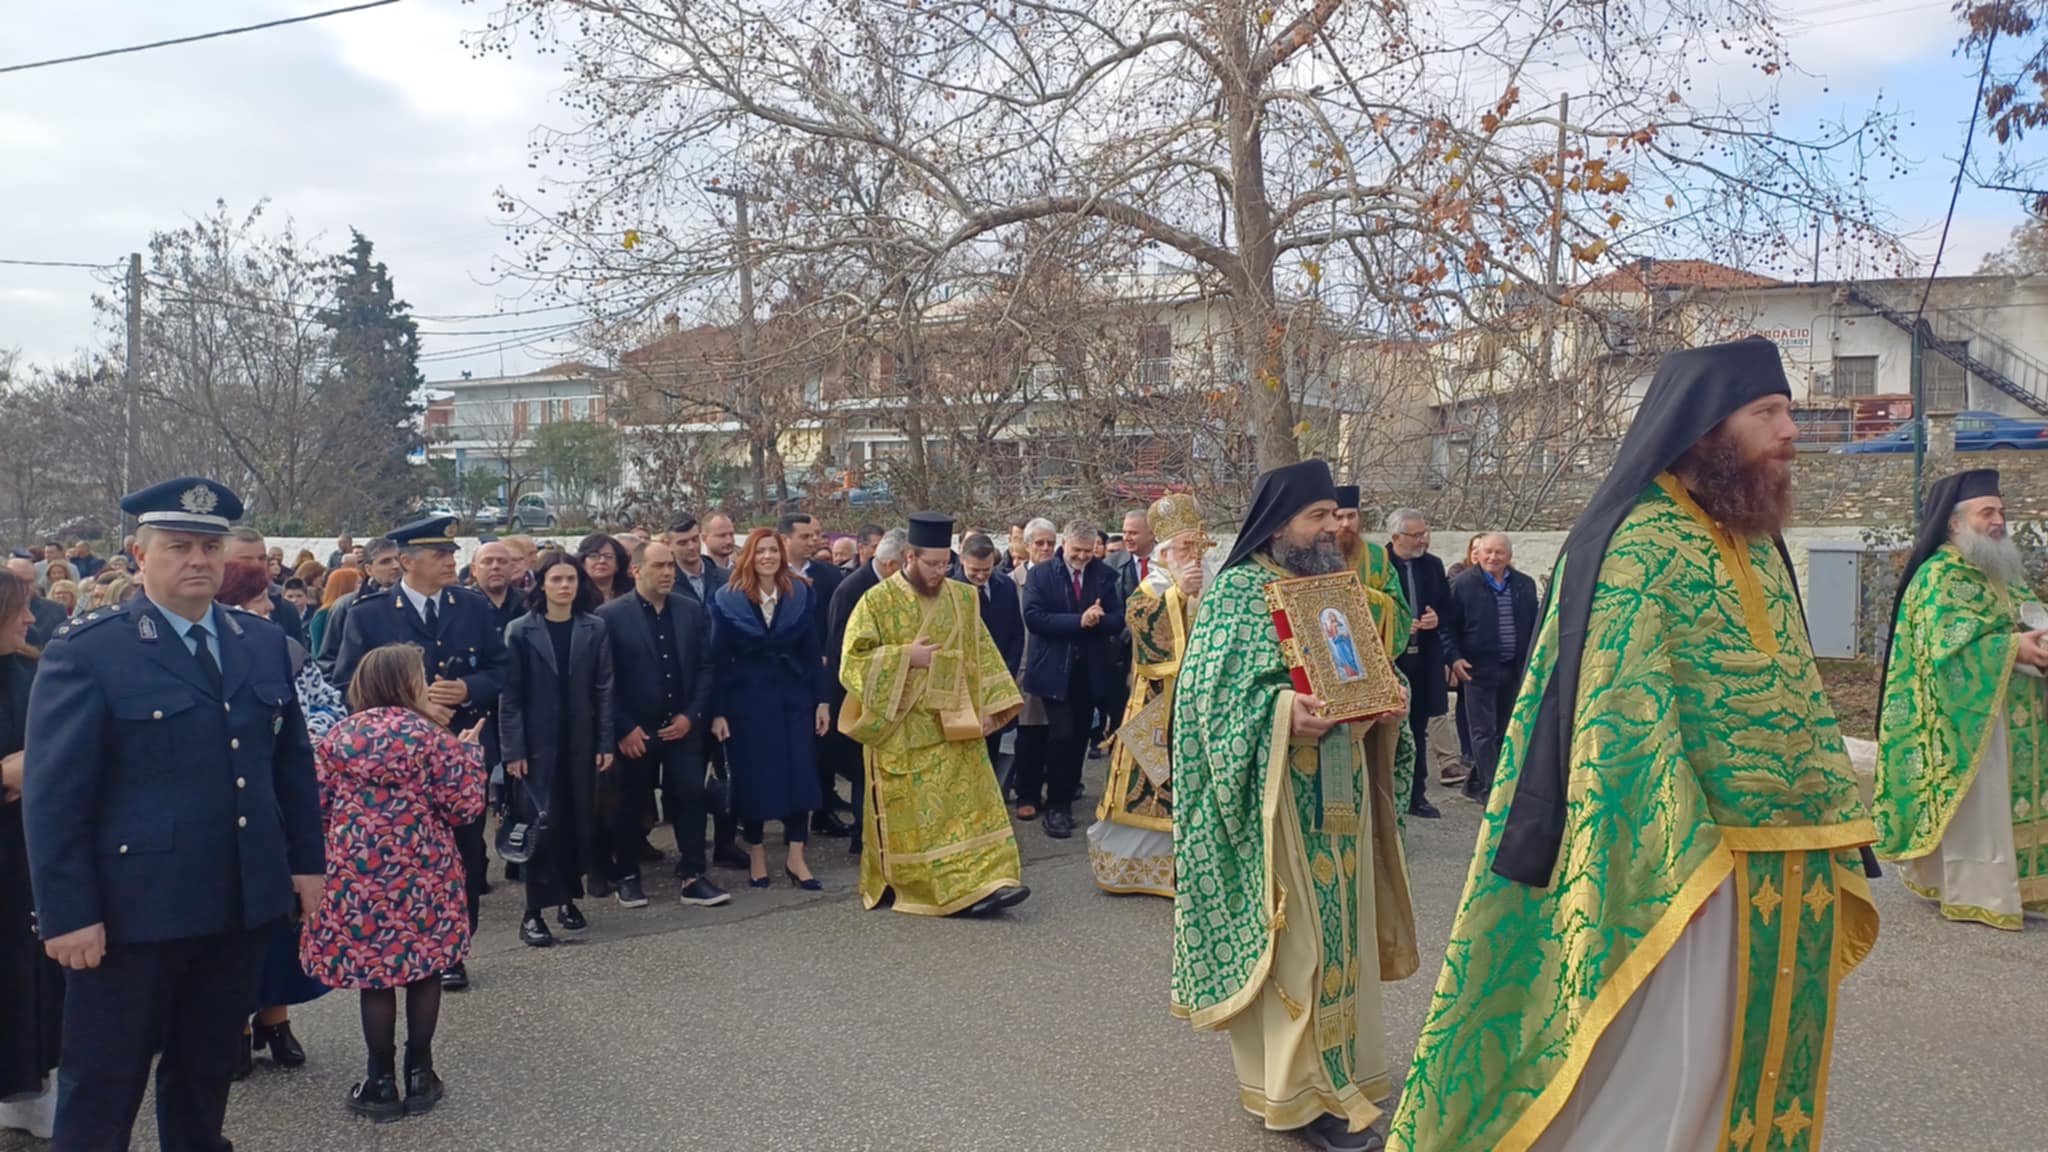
{"type": "Point", "coordinates": [31, 984]}
{"type": "Point", "coordinates": [555, 726]}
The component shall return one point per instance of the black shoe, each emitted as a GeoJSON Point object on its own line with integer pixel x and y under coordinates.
{"type": "Point", "coordinates": [377, 1098]}
{"type": "Point", "coordinates": [1424, 809]}
{"type": "Point", "coordinates": [830, 824]}
{"type": "Point", "coordinates": [995, 902]}
{"type": "Point", "coordinates": [1333, 1134]}
{"type": "Point", "coordinates": [533, 932]}
{"type": "Point", "coordinates": [1059, 823]}
{"type": "Point", "coordinates": [702, 893]}
{"type": "Point", "coordinates": [1473, 791]}
{"type": "Point", "coordinates": [512, 875]}
{"type": "Point", "coordinates": [810, 885]}
{"type": "Point", "coordinates": [570, 917]}
{"type": "Point", "coordinates": [1095, 751]}
{"type": "Point", "coordinates": [456, 979]}
{"type": "Point", "coordinates": [486, 888]}
{"type": "Point", "coordinates": [728, 856]}
{"type": "Point", "coordinates": [245, 1057]}
{"type": "Point", "coordinates": [631, 894]}
{"type": "Point", "coordinates": [649, 854]}
{"type": "Point", "coordinates": [284, 1047]}
{"type": "Point", "coordinates": [423, 1090]}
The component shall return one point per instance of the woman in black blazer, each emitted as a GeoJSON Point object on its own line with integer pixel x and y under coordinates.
{"type": "Point", "coordinates": [555, 726]}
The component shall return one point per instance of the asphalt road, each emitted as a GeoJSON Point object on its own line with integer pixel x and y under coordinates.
{"type": "Point", "coordinates": [796, 1021]}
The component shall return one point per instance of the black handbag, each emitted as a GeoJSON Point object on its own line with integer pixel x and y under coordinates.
{"type": "Point", "coordinates": [520, 840]}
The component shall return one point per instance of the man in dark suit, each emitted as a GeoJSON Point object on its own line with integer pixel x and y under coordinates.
{"type": "Point", "coordinates": [661, 689]}
{"type": "Point", "coordinates": [1002, 613]}
{"type": "Point", "coordinates": [699, 577]}
{"type": "Point", "coordinates": [380, 575]}
{"type": "Point", "coordinates": [1487, 635]}
{"type": "Point", "coordinates": [1074, 613]}
{"type": "Point", "coordinates": [843, 751]}
{"type": "Point", "coordinates": [1429, 598]}
{"type": "Point", "coordinates": [172, 820]}
{"type": "Point", "coordinates": [463, 649]}
{"type": "Point", "coordinates": [1133, 564]}
{"type": "Point", "coordinates": [800, 542]}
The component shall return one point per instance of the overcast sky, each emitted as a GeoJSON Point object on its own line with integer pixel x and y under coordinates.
{"type": "Point", "coordinates": [384, 121]}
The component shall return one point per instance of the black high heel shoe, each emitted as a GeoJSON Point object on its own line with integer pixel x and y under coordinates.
{"type": "Point", "coordinates": [810, 885]}
{"type": "Point", "coordinates": [285, 1050]}
{"type": "Point", "coordinates": [759, 881]}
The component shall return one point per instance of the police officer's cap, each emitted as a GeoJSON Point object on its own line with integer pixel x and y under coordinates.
{"type": "Point", "coordinates": [433, 532]}
{"type": "Point", "coordinates": [187, 504]}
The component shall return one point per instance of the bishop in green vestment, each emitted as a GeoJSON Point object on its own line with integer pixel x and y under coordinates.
{"type": "Point", "coordinates": [1291, 903]}
{"type": "Point", "coordinates": [1668, 891]}
{"type": "Point", "coordinates": [1962, 771]}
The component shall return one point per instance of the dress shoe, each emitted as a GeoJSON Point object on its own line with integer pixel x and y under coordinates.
{"type": "Point", "coordinates": [285, 1050]}
{"type": "Point", "coordinates": [760, 882]}
{"type": "Point", "coordinates": [1059, 823]}
{"type": "Point", "coordinates": [702, 893]}
{"type": "Point", "coordinates": [1095, 751]}
{"type": "Point", "coordinates": [456, 979]}
{"type": "Point", "coordinates": [570, 917]}
{"type": "Point", "coordinates": [1474, 791]}
{"type": "Point", "coordinates": [512, 875]}
{"type": "Point", "coordinates": [377, 1098]}
{"type": "Point", "coordinates": [533, 932]}
{"type": "Point", "coordinates": [631, 895]}
{"type": "Point", "coordinates": [729, 856]}
{"type": "Point", "coordinates": [808, 884]}
{"type": "Point", "coordinates": [830, 824]}
{"type": "Point", "coordinates": [1333, 1134]}
{"type": "Point", "coordinates": [995, 902]}
{"type": "Point", "coordinates": [423, 1090]}
{"type": "Point", "coordinates": [1424, 809]}
{"type": "Point", "coordinates": [245, 1057]}
{"type": "Point", "coordinates": [1027, 812]}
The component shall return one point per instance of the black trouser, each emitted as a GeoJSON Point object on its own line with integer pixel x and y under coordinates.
{"type": "Point", "coordinates": [839, 756]}
{"type": "Point", "coordinates": [186, 998]}
{"type": "Point", "coordinates": [1418, 726]}
{"type": "Point", "coordinates": [678, 766]}
{"type": "Point", "coordinates": [1491, 700]}
{"type": "Point", "coordinates": [995, 752]}
{"type": "Point", "coordinates": [1067, 744]}
{"type": "Point", "coordinates": [1027, 764]}
{"type": "Point", "coordinates": [469, 841]}
{"type": "Point", "coordinates": [796, 829]}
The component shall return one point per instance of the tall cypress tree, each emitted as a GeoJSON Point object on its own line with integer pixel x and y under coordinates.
{"type": "Point", "coordinates": [374, 394]}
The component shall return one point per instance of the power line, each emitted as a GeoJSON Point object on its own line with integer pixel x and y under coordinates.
{"type": "Point", "coordinates": [194, 39]}
{"type": "Point", "coordinates": [59, 263]}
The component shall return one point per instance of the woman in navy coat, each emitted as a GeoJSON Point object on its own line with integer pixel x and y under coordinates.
{"type": "Point", "coordinates": [771, 699]}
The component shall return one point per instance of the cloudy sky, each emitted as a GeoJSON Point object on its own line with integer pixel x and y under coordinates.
{"type": "Point", "coordinates": [384, 121]}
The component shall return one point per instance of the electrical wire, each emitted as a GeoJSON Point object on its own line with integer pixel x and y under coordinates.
{"type": "Point", "coordinates": [194, 39]}
{"type": "Point", "coordinates": [57, 263]}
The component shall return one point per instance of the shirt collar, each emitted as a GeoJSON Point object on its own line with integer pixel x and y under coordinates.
{"type": "Point", "coordinates": [183, 627]}
{"type": "Point", "coordinates": [416, 598]}
{"type": "Point", "coordinates": [1500, 585]}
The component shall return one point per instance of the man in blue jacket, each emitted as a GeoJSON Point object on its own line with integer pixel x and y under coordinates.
{"type": "Point", "coordinates": [1074, 613]}
{"type": "Point", "coordinates": [172, 818]}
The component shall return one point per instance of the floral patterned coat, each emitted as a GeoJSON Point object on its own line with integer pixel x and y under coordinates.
{"type": "Point", "coordinates": [392, 785]}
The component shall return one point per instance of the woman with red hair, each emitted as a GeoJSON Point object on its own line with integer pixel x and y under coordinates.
{"type": "Point", "coordinates": [771, 705]}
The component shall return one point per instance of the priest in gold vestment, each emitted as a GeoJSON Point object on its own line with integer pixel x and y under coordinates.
{"type": "Point", "coordinates": [1130, 845]}
{"type": "Point", "coordinates": [925, 686]}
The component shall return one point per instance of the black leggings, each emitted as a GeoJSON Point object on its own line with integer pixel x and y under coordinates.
{"type": "Point", "coordinates": [380, 1023]}
{"type": "Point", "coordinates": [796, 829]}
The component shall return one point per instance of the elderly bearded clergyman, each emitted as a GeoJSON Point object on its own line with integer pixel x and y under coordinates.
{"type": "Point", "coordinates": [1964, 730]}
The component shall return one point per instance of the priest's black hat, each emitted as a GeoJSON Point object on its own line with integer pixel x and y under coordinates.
{"type": "Point", "coordinates": [1277, 497]}
{"type": "Point", "coordinates": [1942, 499]}
{"type": "Point", "coordinates": [1693, 391]}
{"type": "Point", "coordinates": [931, 530]}
{"type": "Point", "coordinates": [1347, 497]}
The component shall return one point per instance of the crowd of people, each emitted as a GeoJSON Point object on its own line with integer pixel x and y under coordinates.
{"type": "Point", "coordinates": [1659, 768]}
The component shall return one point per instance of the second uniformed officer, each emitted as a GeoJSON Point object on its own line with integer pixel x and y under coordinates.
{"type": "Point", "coordinates": [172, 819]}
{"type": "Point", "coordinates": [464, 651]}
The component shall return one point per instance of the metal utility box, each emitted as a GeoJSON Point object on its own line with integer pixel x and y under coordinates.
{"type": "Point", "coordinates": [1834, 597]}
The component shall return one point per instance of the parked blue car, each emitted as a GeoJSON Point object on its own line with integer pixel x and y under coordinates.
{"type": "Point", "coordinates": [1975, 432]}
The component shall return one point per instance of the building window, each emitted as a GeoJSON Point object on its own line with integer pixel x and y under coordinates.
{"type": "Point", "coordinates": [1155, 354]}
{"type": "Point", "coordinates": [1855, 376]}
{"type": "Point", "coordinates": [1947, 382]}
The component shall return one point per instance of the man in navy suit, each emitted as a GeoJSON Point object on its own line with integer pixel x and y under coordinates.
{"type": "Point", "coordinates": [172, 819]}
{"type": "Point", "coordinates": [464, 651]}
{"type": "Point", "coordinates": [1074, 614]}
{"type": "Point", "coordinates": [1002, 613]}
{"type": "Point", "coordinates": [699, 577]}
{"type": "Point", "coordinates": [800, 540]}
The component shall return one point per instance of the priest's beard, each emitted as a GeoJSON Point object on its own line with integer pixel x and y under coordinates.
{"type": "Point", "coordinates": [1348, 540]}
{"type": "Point", "coordinates": [1748, 494]}
{"type": "Point", "coordinates": [1996, 556]}
{"type": "Point", "coordinates": [1318, 558]}
{"type": "Point", "coordinates": [914, 575]}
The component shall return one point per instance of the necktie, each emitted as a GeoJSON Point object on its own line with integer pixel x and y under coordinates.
{"type": "Point", "coordinates": [1144, 569]}
{"type": "Point", "coordinates": [433, 616]}
{"type": "Point", "coordinates": [1077, 589]}
{"type": "Point", "coordinates": [204, 655]}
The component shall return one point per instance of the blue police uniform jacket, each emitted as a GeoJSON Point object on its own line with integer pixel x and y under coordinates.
{"type": "Point", "coordinates": [156, 802]}
{"type": "Point", "coordinates": [470, 645]}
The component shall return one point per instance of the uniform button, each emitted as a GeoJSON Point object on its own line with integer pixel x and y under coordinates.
{"type": "Point", "coordinates": [226, 707]}
{"type": "Point", "coordinates": [235, 743]}
{"type": "Point", "coordinates": [241, 821]}
{"type": "Point", "coordinates": [124, 849]}
{"type": "Point", "coordinates": [158, 715]}
{"type": "Point", "coordinates": [241, 783]}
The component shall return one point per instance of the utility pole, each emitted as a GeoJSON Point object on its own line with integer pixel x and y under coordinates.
{"type": "Point", "coordinates": [1551, 274]}
{"type": "Point", "coordinates": [750, 397]}
{"type": "Point", "coordinates": [1919, 422]}
{"type": "Point", "coordinates": [131, 382]}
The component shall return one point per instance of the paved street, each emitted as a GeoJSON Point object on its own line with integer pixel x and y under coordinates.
{"type": "Point", "coordinates": [792, 1021]}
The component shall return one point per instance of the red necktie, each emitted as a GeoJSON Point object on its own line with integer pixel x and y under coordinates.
{"type": "Point", "coordinates": [1144, 569]}
{"type": "Point", "coordinates": [1077, 589]}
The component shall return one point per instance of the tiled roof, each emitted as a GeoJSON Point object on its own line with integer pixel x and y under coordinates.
{"type": "Point", "coordinates": [1675, 274]}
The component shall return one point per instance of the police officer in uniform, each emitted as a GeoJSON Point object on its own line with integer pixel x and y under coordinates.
{"type": "Point", "coordinates": [172, 819]}
{"type": "Point", "coordinates": [464, 647]}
